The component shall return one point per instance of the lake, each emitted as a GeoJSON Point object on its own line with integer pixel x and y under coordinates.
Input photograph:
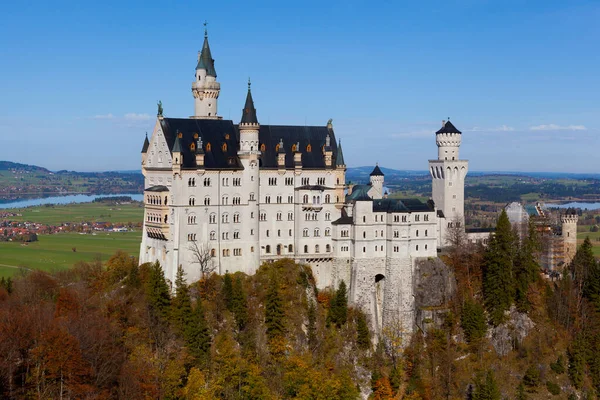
{"type": "Point", "coordinates": [583, 206]}
{"type": "Point", "coordinates": [74, 198]}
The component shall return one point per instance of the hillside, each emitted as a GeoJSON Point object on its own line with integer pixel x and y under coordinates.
{"type": "Point", "coordinates": [19, 181]}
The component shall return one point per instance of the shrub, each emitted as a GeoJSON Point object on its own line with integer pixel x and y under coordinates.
{"type": "Point", "coordinates": [553, 388]}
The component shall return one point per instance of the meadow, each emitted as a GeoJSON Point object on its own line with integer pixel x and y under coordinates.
{"type": "Point", "coordinates": [55, 252]}
{"type": "Point", "coordinates": [82, 212]}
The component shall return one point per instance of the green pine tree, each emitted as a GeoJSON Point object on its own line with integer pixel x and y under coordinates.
{"type": "Point", "coordinates": [181, 305]}
{"type": "Point", "coordinates": [197, 334]}
{"type": "Point", "coordinates": [526, 268]}
{"type": "Point", "coordinates": [157, 291]}
{"type": "Point", "coordinates": [227, 291]}
{"type": "Point", "coordinates": [338, 306]}
{"type": "Point", "coordinates": [472, 321]}
{"type": "Point", "coordinates": [274, 315]}
{"type": "Point", "coordinates": [239, 306]}
{"type": "Point", "coordinates": [362, 332]}
{"type": "Point", "coordinates": [576, 355]}
{"type": "Point", "coordinates": [486, 387]}
{"type": "Point", "coordinates": [498, 277]}
{"type": "Point", "coordinates": [585, 265]}
{"type": "Point", "coordinates": [521, 395]}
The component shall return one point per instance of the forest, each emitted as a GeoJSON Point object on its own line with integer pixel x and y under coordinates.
{"type": "Point", "coordinates": [119, 330]}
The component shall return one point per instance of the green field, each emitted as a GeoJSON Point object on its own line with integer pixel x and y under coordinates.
{"type": "Point", "coordinates": [55, 252]}
{"type": "Point", "coordinates": [82, 212]}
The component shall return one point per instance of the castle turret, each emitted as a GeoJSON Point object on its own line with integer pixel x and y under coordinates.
{"type": "Point", "coordinates": [177, 154]}
{"type": "Point", "coordinates": [376, 178]}
{"type": "Point", "coordinates": [448, 178]}
{"type": "Point", "coordinates": [145, 150]}
{"type": "Point", "coordinates": [205, 87]}
{"type": "Point", "coordinates": [249, 155]}
{"type": "Point", "coordinates": [569, 234]}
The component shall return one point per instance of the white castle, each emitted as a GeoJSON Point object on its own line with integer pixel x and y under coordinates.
{"type": "Point", "coordinates": [244, 194]}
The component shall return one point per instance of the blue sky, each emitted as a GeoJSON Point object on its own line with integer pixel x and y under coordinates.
{"type": "Point", "coordinates": [79, 82]}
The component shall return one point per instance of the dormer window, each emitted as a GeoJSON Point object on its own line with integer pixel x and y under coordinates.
{"type": "Point", "coordinates": [308, 148]}
{"type": "Point", "coordinates": [193, 147]}
{"type": "Point", "coordinates": [294, 147]}
{"type": "Point", "coordinates": [224, 147]}
{"type": "Point", "coordinates": [227, 136]}
{"type": "Point", "coordinates": [263, 147]}
{"type": "Point", "coordinates": [208, 146]}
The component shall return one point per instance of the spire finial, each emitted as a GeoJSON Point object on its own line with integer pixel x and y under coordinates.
{"type": "Point", "coordinates": [205, 29]}
{"type": "Point", "coordinates": [249, 83]}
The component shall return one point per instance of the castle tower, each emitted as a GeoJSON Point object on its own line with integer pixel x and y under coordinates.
{"type": "Point", "coordinates": [569, 234]}
{"type": "Point", "coordinates": [376, 178]}
{"type": "Point", "coordinates": [249, 155]}
{"type": "Point", "coordinates": [448, 174]}
{"type": "Point", "coordinates": [205, 87]}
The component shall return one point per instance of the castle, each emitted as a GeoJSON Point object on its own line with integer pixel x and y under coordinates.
{"type": "Point", "coordinates": [229, 197]}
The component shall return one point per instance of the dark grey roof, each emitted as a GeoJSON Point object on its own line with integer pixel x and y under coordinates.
{"type": "Point", "coordinates": [177, 145]}
{"type": "Point", "coordinates": [340, 155]}
{"type": "Point", "coordinates": [270, 135]}
{"type": "Point", "coordinates": [159, 188]}
{"type": "Point", "coordinates": [216, 131]}
{"type": "Point", "coordinates": [213, 132]}
{"type": "Point", "coordinates": [206, 61]}
{"type": "Point", "coordinates": [376, 171]}
{"type": "Point", "coordinates": [343, 221]}
{"type": "Point", "coordinates": [313, 187]}
{"type": "Point", "coordinates": [146, 145]}
{"type": "Point", "coordinates": [249, 112]}
{"type": "Point", "coordinates": [400, 205]}
{"type": "Point", "coordinates": [359, 193]}
{"type": "Point", "coordinates": [448, 128]}
{"type": "Point", "coordinates": [480, 230]}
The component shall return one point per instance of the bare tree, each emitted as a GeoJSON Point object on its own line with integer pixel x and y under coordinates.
{"type": "Point", "coordinates": [202, 256]}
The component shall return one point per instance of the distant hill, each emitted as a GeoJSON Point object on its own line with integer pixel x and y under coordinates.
{"type": "Point", "coordinates": [19, 181]}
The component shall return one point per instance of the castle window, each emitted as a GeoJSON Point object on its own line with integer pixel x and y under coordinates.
{"type": "Point", "coordinates": [417, 247]}
{"type": "Point", "coordinates": [279, 199]}
{"type": "Point", "coordinates": [213, 253]}
{"type": "Point", "coordinates": [404, 218]}
{"type": "Point", "coordinates": [327, 199]}
{"type": "Point", "coordinates": [207, 201]}
{"type": "Point", "coordinates": [268, 249]}
{"type": "Point", "coordinates": [208, 147]}
{"type": "Point", "coordinates": [290, 199]}
{"type": "Point", "coordinates": [364, 235]}
{"type": "Point", "coordinates": [290, 248]}
{"type": "Point", "coordinates": [327, 248]}
{"type": "Point", "coordinates": [305, 181]}
{"type": "Point", "coordinates": [425, 247]}
{"type": "Point", "coordinates": [278, 216]}
{"type": "Point", "coordinates": [425, 232]}
{"type": "Point", "coordinates": [252, 249]}
{"type": "Point", "coordinates": [277, 147]}
{"type": "Point", "coordinates": [316, 248]}
{"type": "Point", "coordinates": [195, 136]}
{"type": "Point", "coordinates": [263, 147]}
{"type": "Point", "coordinates": [180, 135]}
{"type": "Point", "coordinates": [417, 233]}
{"type": "Point", "coordinates": [317, 233]}
{"type": "Point", "coordinates": [426, 217]}
{"type": "Point", "coordinates": [213, 235]}
{"type": "Point", "coordinates": [251, 196]}
{"type": "Point", "coordinates": [364, 249]}
{"type": "Point", "coordinates": [206, 181]}
{"type": "Point", "coordinates": [236, 217]}
{"type": "Point", "coordinates": [267, 233]}
{"type": "Point", "coordinates": [396, 234]}
{"type": "Point", "coordinates": [417, 217]}
{"type": "Point", "coordinates": [212, 219]}
{"type": "Point", "coordinates": [290, 216]}
{"type": "Point", "coordinates": [305, 249]}
{"type": "Point", "coordinates": [227, 136]}
{"type": "Point", "coordinates": [236, 235]}
{"type": "Point", "coordinates": [308, 148]}
{"type": "Point", "coordinates": [364, 219]}
{"type": "Point", "coordinates": [327, 216]}
{"type": "Point", "coordinates": [305, 199]}
{"type": "Point", "coordinates": [290, 232]}
{"type": "Point", "coordinates": [225, 218]}
{"type": "Point", "coordinates": [305, 232]}
{"type": "Point", "coordinates": [327, 232]}
{"type": "Point", "coordinates": [193, 146]}
{"type": "Point", "coordinates": [294, 148]}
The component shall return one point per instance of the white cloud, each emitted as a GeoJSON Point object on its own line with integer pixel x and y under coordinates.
{"type": "Point", "coordinates": [103, 116]}
{"type": "Point", "coordinates": [554, 127]}
{"type": "Point", "coordinates": [137, 117]}
{"type": "Point", "coordinates": [502, 128]}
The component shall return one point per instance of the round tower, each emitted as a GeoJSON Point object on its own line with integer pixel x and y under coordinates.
{"type": "Point", "coordinates": [205, 87]}
{"type": "Point", "coordinates": [249, 155]}
{"type": "Point", "coordinates": [569, 234]}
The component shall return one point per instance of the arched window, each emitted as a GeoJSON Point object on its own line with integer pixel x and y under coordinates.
{"type": "Point", "coordinates": [213, 252]}
{"type": "Point", "coordinates": [317, 233]}
{"type": "Point", "coordinates": [327, 199]}
{"type": "Point", "coordinates": [327, 248]}
{"type": "Point", "coordinates": [327, 232]}
{"type": "Point", "coordinates": [263, 147]}
{"type": "Point", "coordinates": [305, 199]}
{"type": "Point", "coordinates": [268, 249]}
{"type": "Point", "coordinates": [305, 249]}
{"type": "Point", "coordinates": [208, 146]}
{"type": "Point", "coordinates": [305, 232]}
{"type": "Point", "coordinates": [308, 148]}
{"type": "Point", "coordinates": [316, 248]}
{"type": "Point", "coordinates": [294, 147]}
{"type": "Point", "coordinates": [224, 147]}
{"type": "Point", "coordinates": [213, 235]}
{"type": "Point", "coordinates": [193, 147]}
{"type": "Point", "coordinates": [290, 248]}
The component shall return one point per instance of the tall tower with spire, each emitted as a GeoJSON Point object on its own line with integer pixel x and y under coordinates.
{"type": "Point", "coordinates": [205, 87]}
{"type": "Point", "coordinates": [249, 155]}
{"type": "Point", "coordinates": [448, 174]}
